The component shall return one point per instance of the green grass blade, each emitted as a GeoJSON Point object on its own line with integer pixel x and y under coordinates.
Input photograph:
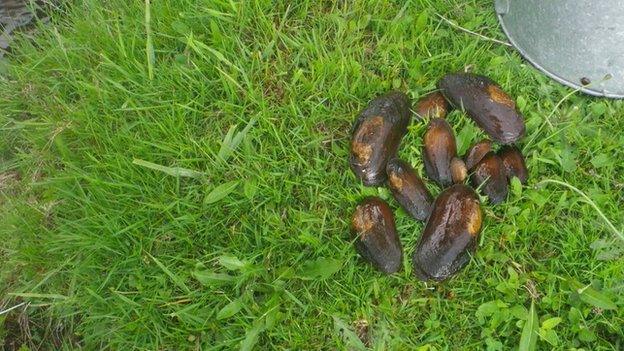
{"type": "Point", "coordinates": [231, 142]}
{"type": "Point", "coordinates": [174, 278]}
{"type": "Point", "coordinates": [40, 296]}
{"type": "Point", "coordinates": [211, 279]}
{"type": "Point", "coordinates": [320, 269]}
{"type": "Point", "coordinates": [592, 296]}
{"type": "Point", "coordinates": [251, 336]}
{"type": "Point", "coordinates": [220, 192]}
{"type": "Point", "coordinates": [528, 339]}
{"type": "Point", "coordinates": [172, 171]}
{"type": "Point", "coordinates": [230, 309]}
{"type": "Point", "coordinates": [349, 337]}
{"type": "Point", "coordinates": [149, 45]}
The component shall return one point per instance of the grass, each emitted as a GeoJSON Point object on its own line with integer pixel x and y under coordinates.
{"type": "Point", "coordinates": [173, 175]}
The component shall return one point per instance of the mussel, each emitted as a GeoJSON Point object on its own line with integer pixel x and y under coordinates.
{"type": "Point", "coordinates": [438, 150]}
{"type": "Point", "coordinates": [476, 153]}
{"type": "Point", "coordinates": [376, 136]}
{"type": "Point", "coordinates": [514, 163]}
{"type": "Point", "coordinates": [432, 105]}
{"type": "Point", "coordinates": [408, 189]}
{"type": "Point", "coordinates": [490, 174]}
{"type": "Point", "coordinates": [375, 234]}
{"type": "Point", "coordinates": [450, 235]}
{"type": "Point", "coordinates": [459, 172]}
{"type": "Point", "coordinates": [486, 103]}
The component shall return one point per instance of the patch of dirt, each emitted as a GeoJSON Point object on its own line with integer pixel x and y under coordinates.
{"type": "Point", "coordinates": [8, 179]}
{"type": "Point", "coordinates": [406, 294]}
{"type": "Point", "coordinates": [532, 290]}
{"type": "Point", "coordinates": [35, 330]}
{"type": "Point", "coordinates": [274, 91]}
{"type": "Point", "coordinates": [11, 336]}
{"type": "Point", "coordinates": [362, 331]}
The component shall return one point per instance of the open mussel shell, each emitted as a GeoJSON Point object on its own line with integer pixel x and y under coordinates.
{"type": "Point", "coordinates": [476, 153]}
{"type": "Point", "coordinates": [408, 189]}
{"type": "Point", "coordinates": [514, 163]}
{"type": "Point", "coordinates": [486, 103]}
{"type": "Point", "coordinates": [459, 172]}
{"type": "Point", "coordinates": [376, 136]}
{"type": "Point", "coordinates": [450, 235]}
{"type": "Point", "coordinates": [439, 148]}
{"type": "Point", "coordinates": [375, 235]}
{"type": "Point", "coordinates": [432, 105]}
{"type": "Point", "coordinates": [489, 174]}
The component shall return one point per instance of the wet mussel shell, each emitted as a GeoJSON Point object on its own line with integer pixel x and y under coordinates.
{"type": "Point", "coordinates": [514, 163]}
{"type": "Point", "coordinates": [375, 234]}
{"type": "Point", "coordinates": [476, 153]}
{"type": "Point", "coordinates": [432, 105]}
{"type": "Point", "coordinates": [486, 103]}
{"type": "Point", "coordinates": [439, 148]}
{"type": "Point", "coordinates": [376, 136]}
{"type": "Point", "coordinates": [409, 189]}
{"type": "Point", "coordinates": [450, 236]}
{"type": "Point", "coordinates": [489, 174]}
{"type": "Point", "coordinates": [459, 172]}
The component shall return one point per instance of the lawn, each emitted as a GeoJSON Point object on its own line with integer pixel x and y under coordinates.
{"type": "Point", "coordinates": [175, 176]}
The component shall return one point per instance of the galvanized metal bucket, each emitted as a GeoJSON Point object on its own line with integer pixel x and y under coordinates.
{"type": "Point", "coordinates": [579, 43]}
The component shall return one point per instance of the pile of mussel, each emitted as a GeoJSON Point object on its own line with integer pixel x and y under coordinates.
{"type": "Point", "coordinates": [454, 219]}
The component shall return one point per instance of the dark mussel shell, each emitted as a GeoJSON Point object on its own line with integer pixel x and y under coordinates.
{"type": "Point", "coordinates": [476, 153]}
{"type": "Point", "coordinates": [376, 136]}
{"type": "Point", "coordinates": [450, 235]}
{"type": "Point", "coordinates": [459, 172]}
{"type": "Point", "coordinates": [439, 148]}
{"type": "Point", "coordinates": [514, 163]}
{"type": "Point", "coordinates": [376, 236]}
{"type": "Point", "coordinates": [432, 105]}
{"type": "Point", "coordinates": [408, 189]}
{"type": "Point", "coordinates": [486, 103]}
{"type": "Point", "coordinates": [490, 172]}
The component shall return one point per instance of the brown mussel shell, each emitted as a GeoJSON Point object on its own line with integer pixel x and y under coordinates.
{"type": "Point", "coordinates": [376, 136]}
{"type": "Point", "coordinates": [432, 105]}
{"type": "Point", "coordinates": [375, 234]}
{"type": "Point", "coordinates": [450, 236]}
{"type": "Point", "coordinates": [515, 165]}
{"type": "Point", "coordinates": [476, 152]}
{"type": "Point", "coordinates": [486, 103]}
{"type": "Point", "coordinates": [408, 189]}
{"type": "Point", "coordinates": [439, 148]}
{"type": "Point", "coordinates": [459, 172]}
{"type": "Point", "coordinates": [489, 174]}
